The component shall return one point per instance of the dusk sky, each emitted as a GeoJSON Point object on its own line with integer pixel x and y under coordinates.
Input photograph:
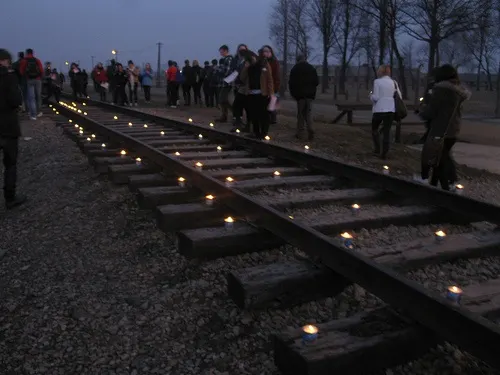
{"type": "Point", "coordinates": [65, 30]}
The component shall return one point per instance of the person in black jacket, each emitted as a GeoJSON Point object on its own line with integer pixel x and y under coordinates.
{"type": "Point", "coordinates": [198, 81]}
{"type": "Point", "coordinates": [120, 80]}
{"type": "Point", "coordinates": [302, 84]}
{"type": "Point", "coordinates": [424, 101]}
{"type": "Point", "coordinates": [10, 130]}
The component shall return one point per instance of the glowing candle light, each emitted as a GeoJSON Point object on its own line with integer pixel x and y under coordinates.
{"type": "Point", "coordinates": [199, 166]}
{"type": "Point", "coordinates": [50, 105]}
{"type": "Point", "coordinates": [115, 117]}
{"type": "Point", "coordinates": [347, 239]}
{"type": "Point", "coordinates": [85, 113]}
{"type": "Point", "coordinates": [309, 333]}
{"type": "Point", "coordinates": [459, 189]}
{"type": "Point", "coordinates": [79, 111]}
{"type": "Point", "coordinates": [385, 169]}
{"type": "Point", "coordinates": [84, 103]}
{"type": "Point", "coordinates": [138, 161]}
{"type": "Point", "coordinates": [267, 138]}
{"type": "Point", "coordinates": [238, 131]}
{"type": "Point", "coordinates": [306, 149]}
{"type": "Point", "coordinates": [81, 132]}
{"type": "Point", "coordinates": [190, 119]}
{"type": "Point", "coordinates": [103, 145]}
{"type": "Point", "coordinates": [57, 113]}
{"type": "Point", "coordinates": [276, 175]}
{"type": "Point", "coordinates": [200, 136]}
{"type": "Point", "coordinates": [454, 294]}
{"type": "Point", "coordinates": [290, 216]}
{"type": "Point", "coordinates": [228, 223]}
{"type": "Point", "coordinates": [440, 236]}
{"type": "Point", "coordinates": [130, 124]}
{"type": "Point", "coordinates": [181, 181]}
{"type": "Point", "coordinates": [421, 99]}
{"type": "Point", "coordinates": [54, 109]}
{"type": "Point", "coordinates": [209, 200]}
{"type": "Point", "coordinates": [145, 125]}
{"type": "Point", "coordinates": [229, 181]}
{"type": "Point", "coordinates": [70, 121]}
{"type": "Point", "coordinates": [76, 126]}
{"type": "Point", "coordinates": [162, 133]}
{"type": "Point", "coordinates": [123, 153]}
{"type": "Point", "coordinates": [211, 124]}
{"type": "Point", "coordinates": [89, 139]}
{"type": "Point", "coordinates": [219, 149]}
{"type": "Point", "coordinates": [93, 135]}
{"type": "Point", "coordinates": [355, 209]}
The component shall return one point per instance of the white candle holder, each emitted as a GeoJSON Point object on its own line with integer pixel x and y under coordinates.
{"type": "Point", "coordinates": [229, 223]}
{"type": "Point", "coordinates": [229, 181]}
{"type": "Point", "coordinates": [440, 236]}
{"type": "Point", "coordinates": [306, 149]}
{"type": "Point", "coordinates": [454, 294]}
{"type": "Point", "coordinates": [138, 161]}
{"type": "Point", "coordinates": [355, 209]}
{"type": "Point", "coordinates": [181, 181]}
{"type": "Point", "coordinates": [385, 170]}
{"type": "Point", "coordinates": [219, 149]}
{"type": "Point", "coordinates": [123, 153]}
{"type": "Point", "coordinates": [209, 200]}
{"type": "Point", "coordinates": [276, 175]}
{"type": "Point", "coordinates": [199, 166]}
{"type": "Point", "coordinates": [459, 189]}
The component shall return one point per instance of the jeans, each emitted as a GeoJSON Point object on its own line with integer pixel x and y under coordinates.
{"type": "Point", "coordinates": [34, 94]}
{"type": "Point", "coordinates": [304, 117]}
{"type": "Point", "coordinates": [224, 104]}
{"type": "Point", "coordinates": [386, 119]}
{"type": "Point", "coordinates": [445, 172]}
{"type": "Point", "coordinates": [10, 147]}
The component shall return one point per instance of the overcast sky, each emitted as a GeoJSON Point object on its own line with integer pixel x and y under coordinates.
{"type": "Point", "coordinates": [66, 30]}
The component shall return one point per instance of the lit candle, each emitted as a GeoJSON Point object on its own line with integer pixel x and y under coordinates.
{"type": "Point", "coordinates": [229, 181]}
{"type": "Point", "coordinates": [212, 124]}
{"type": "Point", "coordinates": [459, 189]}
{"type": "Point", "coordinates": [267, 138]}
{"type": "Point", "coordinates": [181, 181]}
{"type": "Point", "coordinates": [355, 209]}
{"type": "Point", "coordinates": [93, 135]}
{"type": "Point", "coordinates": [57, 113]}
{"type": "Point", "coordinates": [70, 121]}
{"type": "Point", "coordinates": [200, 136]}
{"type": "Point", "coordinates": [84, 103]}
{"type": "Point", "coordinates": [190, 119]}
{"type": "Point", "coordinates": [130, 124]}
{"type": "Point", "coordinates": [115, 117]}
{"type": "Point", "coordinates": [123, 153]}
{"type": "Point", "coordinates": [76, 126]}
{"type": "Point", "coordinates": [309, 333]}
{"type": "Point", "coordinates": [209, 200]}
{"type": "Point", "coordinates": [79, 111]}
{"type": "Point", "coordinates": [454, 294]}
{"type": "Point", "coordinates": [440, 236]}
{"type": "Point", "coordinates": [89, 139]}
{"type": "Point", "coordinates": [50, 105]}
{"type": "Point", "coordinates": [81, 132]}
{"type": "Point", "coordinates": [290, 216]}
{"type": "Point", "coordinates": [199, 166]}
{"type": "Point", "coordinates": [138, 161]}
{"type": "Point", "coordinates": [81, 128]}
{"type": "Point", "coordinates": [54, 109]}
{"type": "Point", "coordinates": [347, 240]}
{"type": "Point", "coordinates": [385, 169]}
{"type": "Point", "coordinates": [229, 223]}
{"type": "Point", "coordinates": [177, 154]}
{"type": "Point", "coordinates": [162, 133]}
{"type": "Point", "coordinates": [103, 145]}
{"type": "Point", "coordinates": [238, 131]}
{"type": "Point", "coordinates": [219, 149]}
{"type": "Point", "coordinates": [145, 125]}
{"type": "Point", "coordinates": [85, 113]}
{"type": "Point", "coordinates": [276, 175]}
{"type": "Point", "coordinates": [422, 99]}
{"type": "Point", "coordinates": [306, 149]}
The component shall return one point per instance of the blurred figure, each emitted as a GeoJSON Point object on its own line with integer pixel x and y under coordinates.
{"type": "Point", "coordinates": [257, 78]}
{"type": "Point", "coordinates": [31, 69]}
{"type": "Point", "coordinates": [172, 85]}
{"type": "Point", "coordinates": [110, 72]}
{"type": "Point", "coordinates": [384, 108]}
{"type": "Point", "coordinates": [214, 84]}
{"type": "Point", "coordinates": [147, 82]}
{"type": "Point", "coordinates": [21, 79]}
{"type": "Point", "coordinates": [425, 100]}
{"type": "Point", "coordinates": [225, 65]}
{"type": "Point", "coordinates": [133, 82]}
{"type": "Point", "coordinates": [75, 79]}
{"type": "Point", "coordinates": [10, 130]}
{"type": "Point", "coordinates": [206, 73]}
{"type": "Point", "coordinates": [302, 84]}
{"type": "Point", "coordinates": [240, 97]}
{"type": "Point", "coordinates": [62, 79]}
{"type": "Point", "coordinates": [444, 114]}
{"type": "Point", "coordinates": [198, 81]}
{"type": "Point", "coordinates": [121, 79]}
{"type": "Point", "coordinates": [55, 85]}
{"type": "Point", "coordinates": [188, 82]}
{"type": "Point", "coordinates": [85, 83]}
{"type": "Point", "coordinates": [101, 78]}
{"type": "Point", "coordinates": [268, 53]}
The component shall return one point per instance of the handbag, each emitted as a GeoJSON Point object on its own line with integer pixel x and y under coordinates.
{"type": "Point", "coordinates": [433, 146]}
{"type": "Point", "coordinates": [400, 107]}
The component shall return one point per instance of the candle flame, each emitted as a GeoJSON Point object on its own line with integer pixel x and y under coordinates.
{"type": "Point", "coordinates": [229, 219]}
{"type": "Point", "coordinates": [455, 289]}
{"type": "Point", "coordinates": [440, 233]}
{"type": "Point", "coordinates": [190, 120]}
{"type": "Point", "coordinates": [115, 117]}
{"type": "Point", "coordinates": [103, 145]}
{"type": "Point", "coordinates": [229, 179]}
{"type": "Point", "coordinates": [458, 186]}
{"type": "Point", "coordinates": [276, 173]}
{"type": "Point", "coordinates": [88, 139]}
{"type": "Point", "coordinates": [162, 132]}
{"type": "Point", "coordinates": [177, 153]}
{"type": "Point", "coordinates": [310, 329]}
{"type": "Point", "coordinates": [237, 130]}
{"type": "Point", "coordinates": [212, 124]}
{"type": "Point", "coordinates": [123, 152]}
{"type": "Point", "coordinates": [386, 167]}
{"type": "Point", "coordinates": [70, 121]}
{"type": "Point", "coordinates": [81, 131]}
{"type": "Point", "coordinates": [138, 159]}
{"type": "Point", "coordinates": [145, 125]}
{"type": "Point", "coordinates": [267, 138]}
{"type": "Point", "coordinates": [306, 147]}
{"type": "Point", "coordinates": [346, 235]}
{"type": "Point", "coordinates": [79, 111]}
{"type": "Point", "coordinates": [210, 197]}
{"type": "Point", "coordinates": [84, 103]}
{"type": "Point", "coordinates": [181, 179]}
{"type": "Point", "coordinates": [291, 217]}
{"type": "Point", "coordinates": [219, 148]}
{"type": "Point", "coordinates": [85, 113]}
{"type": "Point", "coordinates": [422, 99]}
{"type": "Point", "coordinates": [93, 135]}
{"type": "Point", "coordinates": [198, 164]}
{"type": "Point", "coordinates": [130, 124]}
{"type": "Point", "coordinates": [355, 206]}
{"type": "Point", "coordinates": [76, 125]}
{"type": "Point", "coordinates": [200, 136]}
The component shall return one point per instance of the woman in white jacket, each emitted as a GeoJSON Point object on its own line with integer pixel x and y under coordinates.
{"type": "Point", "coordinates": [384, 108]}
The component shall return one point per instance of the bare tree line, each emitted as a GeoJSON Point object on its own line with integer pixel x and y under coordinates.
{"type": "Point", "coordinates": [402, 33]}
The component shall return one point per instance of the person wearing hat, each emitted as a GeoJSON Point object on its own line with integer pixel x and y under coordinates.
{"type": "Point", "coordinates": [10, 129]}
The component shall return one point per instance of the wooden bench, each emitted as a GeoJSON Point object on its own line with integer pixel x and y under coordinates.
{"type": "Point", "coordinates": [348, 109]}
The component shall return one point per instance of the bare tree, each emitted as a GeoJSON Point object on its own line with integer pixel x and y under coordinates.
{"type": "Point", "coordinates": [279, 31]}
{"type": "Point", "coordinates": [432, 21]}
{"type": "Point", "coordinates": [299, 22]}
{"type": "Point", "coordinates": [452, 51]}
{"type": "Point", "coordinates": [322, 16]}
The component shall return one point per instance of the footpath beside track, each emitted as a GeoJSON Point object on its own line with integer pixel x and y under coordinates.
{"type": "Point", "coordinates": [169, 150]}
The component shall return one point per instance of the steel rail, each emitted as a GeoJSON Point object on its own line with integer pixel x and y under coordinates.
{"type": "Point", "coordinates": [469, 331]}
{"type": "Point", "coordinates": [472, 208]}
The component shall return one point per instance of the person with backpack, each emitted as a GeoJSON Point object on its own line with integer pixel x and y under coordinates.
{"type": "Point", "coordinates": [10, 129]}
{"type": "Point", "coordinates": [31, 69]}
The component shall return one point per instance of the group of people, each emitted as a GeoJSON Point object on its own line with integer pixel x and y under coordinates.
{"type": "Point", "coordinates": [441, 109]}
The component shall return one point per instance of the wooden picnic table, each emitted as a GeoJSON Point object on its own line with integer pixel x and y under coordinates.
{"type": "Point", "coordinates": [349, 108]}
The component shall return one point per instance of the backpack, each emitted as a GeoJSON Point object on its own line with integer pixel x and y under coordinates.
{"type": "Point", "coordinates": [32, 68]}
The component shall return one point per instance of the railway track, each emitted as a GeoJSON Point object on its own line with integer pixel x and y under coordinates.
{"type": "Point", "coordinates": [225, 194]}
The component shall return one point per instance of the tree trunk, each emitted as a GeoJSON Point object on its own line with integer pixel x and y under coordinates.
{"type": "Point", "coordinates": [284, 67]}
{"type": "Point", "coordinates": [497, 107]}
{"type": "Point", "coordinates": [382, 31]}
{"type": "Point", "coordinates": [324, 77]}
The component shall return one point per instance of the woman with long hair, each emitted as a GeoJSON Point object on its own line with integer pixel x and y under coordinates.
{"type": "Point", "coordinates": [268, 54]}
{"type": "Point", "coordinates": [147, 82]}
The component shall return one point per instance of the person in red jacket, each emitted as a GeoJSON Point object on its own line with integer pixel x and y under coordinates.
{"type": "Point", "coordinates": [268, 53]}
{"type": "Point", "coordinates": [101, 77]}
{"type": "Point", "coordinates": [31, 69]}
{"type": "Point", "coordinates": [172, 84]}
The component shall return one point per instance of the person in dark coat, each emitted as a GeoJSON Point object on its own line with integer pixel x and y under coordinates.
{"type": "Point", "coordinates": [110, 73]}
{"type": "Point", "coordinates": [75, 79]}
{"type": "Point", "coordinates": [121, 81]}
{"type": "Point", "coordinates": [198, 81]}
{"type": "Point", "coordinates": [425, 100]}
{"type": "Point", "coordinates": [206, 75]}
{"type": "Point", "coordinates": [268, 53]}
{"type": "Point", "coordinates": [10, 130]}
{"type": "Point", "coordinates": [302, 84]}
{"type": "Point", "coordinates": [189, 81]}
{"type": "Point", "coordinates": [240, 97]}
{"type": "Point", "coordinates": [444, 114]}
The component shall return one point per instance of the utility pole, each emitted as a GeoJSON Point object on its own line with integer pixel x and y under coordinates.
{"type": "Point", "coordinates": [158, 68]}
{"type": "Point", "coordinates": [92, 66]}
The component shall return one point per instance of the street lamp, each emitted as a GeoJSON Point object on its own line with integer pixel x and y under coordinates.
{"type": "Point", "coordinates": [66, 63]}
{"type": "Point", "coordinates": [115, 54]}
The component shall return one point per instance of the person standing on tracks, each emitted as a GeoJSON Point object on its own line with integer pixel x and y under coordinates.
{"type": "Point", "coordinates": [85, 82]}
{"type": "Point", "coordinates": [172, 85]}
{"type": "Point", "coordinates": [133, 82]}
{"type": "Point", "coordinates": [268, 53]}
{"type": "Point", "coordinates": [444, 114]}
{"type": "Point", "coordinates": [121, 79]}
{"type": "Point", "coordinates": [31, 69]}
{"type": "Point", "coordinates": [147, 82]}
{"type": "Point", "coordinates": [188, 83]}
{"type": "Point", "coordinates": [75, 80]}
{"type": "Point", "coordinates": [198, 81]}
{"type": "Point", "coordinates": [101, 77]}
{"type": "Point", "coordinates": [431, 80]}
{"type": "Point", "coordinates": [10, 129]}
{"type": "Point", "coordinates": [302, 84]}
{"type": "Point", "coordinates": [225, 69]}
{"type": "Point", "coordinates": [206, 74]}
{"type": "Point", "coordinates": [110, 72]}
{"type": "Point", "coordinates": [215, 83]}
{"type": "Point", "coordinates": [240, 97]}
{"type": "Point", "coordinates": [384, 108]}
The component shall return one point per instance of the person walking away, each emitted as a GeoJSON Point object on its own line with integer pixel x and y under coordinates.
{"type": "Point", "coordinates": [268, 53]}
{"type": "Point", "coordinates": [206, 74]}
{"type": "Point", "coordinates": [257, 78]}
{"type": "Point", "coordinates": [133, 82]}
{"type": "Point", "coordinates": [147, 82]}
{"type": "Point", "coordinates": [384, 108]}
{"type": "Point", "coordinates": [302, 84]}
{"type": "Point", "coordinates": [121, 82]}
{"type": "Point", "coordinates": [101, 77]}
{"type": "Point", "coordinates": [198, 81]}
{"type": "Point", "coordinates": [189, 82]}
{"type": "Point", "coordinates": [172, 88]}
{"type": "Point", "coordinates": [215, 83]}
{"type": "Point", "coordinates": [74, 79]}
{"type": "Point", "coordinates": [21, 79]}
{"type": "Point", "coordinates": [110, 72]}
{"type": "Point", "coordinates": [444, 114]}
{"type": "Point", "coordinates": [32, 70]}
{"type": "Point", "coordinates": [240, 97]}
{"type": "Point", "coordinates": [225, 88]}
{"type": "Point", "coordinates": [10, 129]}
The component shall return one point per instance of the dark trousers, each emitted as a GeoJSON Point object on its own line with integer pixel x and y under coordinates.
{"type": "Point", "coordinates": [304, 117]}
{"type": "Point", "coordinates": [10, 147]}
{"type": "Point", "coordinates": [56, 90]}
{"type": "Point", "coordinates": [84, 90]}
{"type": "Point", "coordinates": [102, 93]}
{"type": "Point", "coordinates": [258, 114]}
{"type": "Point", "coordinates": [197, 93]}
{"type": "Point", "coordinates": [386, 119]}
{"type": "Point", "coordinates": [446, 171]}
{"type": "Point", "coordinates": [147, 93]}
{"type": "Point", "coordinates": [120, 96]}
{"type": "Point", "coordinates": [173, 93]}
{"type": "Point", "coordinates": [186, 93]}
{"type": "Point", "coordinates": [209, 100]}
{"type": "Point", "coordinates": [132, 92]}
{"type": "Point", "coordinates": [224, 105]}
{"type": "Point", "coordinates": [214, 91]}
{"type": "Point", "coordinates": [239, 105]}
